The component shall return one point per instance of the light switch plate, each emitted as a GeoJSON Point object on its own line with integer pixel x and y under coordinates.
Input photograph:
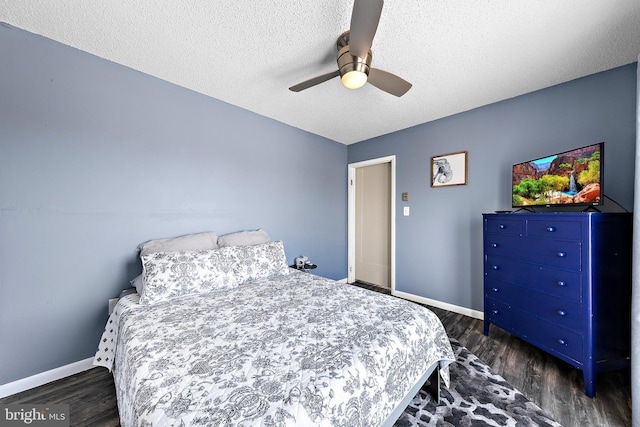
{"type": "Point", "coordinates": [406, 211]}
{"type": "Point", "coordinates": [405, 197]}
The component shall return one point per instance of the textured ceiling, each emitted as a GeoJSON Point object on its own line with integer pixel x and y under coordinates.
{"type": "Point", "coordinates": [459, 55]}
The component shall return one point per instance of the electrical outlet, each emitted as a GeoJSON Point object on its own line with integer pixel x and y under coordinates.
{"type": "Point", "coordinates": [406, 211]}
{"type": "Point", "coordinates": [112, 305]}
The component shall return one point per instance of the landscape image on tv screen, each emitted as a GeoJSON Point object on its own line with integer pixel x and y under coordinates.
{"type": "Point", "coordinates": [569, 178]}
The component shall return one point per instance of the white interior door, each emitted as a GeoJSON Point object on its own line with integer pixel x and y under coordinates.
{"type": "Point", "coordinates": [372, 222]}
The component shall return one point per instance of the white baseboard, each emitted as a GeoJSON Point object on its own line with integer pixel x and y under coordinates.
{"type": "Point", "coordinates": [45, 377]}
{"type": "Point", "coordinates": [435, 303]}
{"type": "Point", "coordinates": [443, 305]}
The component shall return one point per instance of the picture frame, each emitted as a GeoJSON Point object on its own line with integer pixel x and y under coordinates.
{"type": "Point", "coordinates": [449, 169]}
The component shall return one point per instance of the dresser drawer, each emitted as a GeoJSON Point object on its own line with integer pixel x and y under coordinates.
{"type": "Point", "coordinates": [559, 311]}
{"type": "Point", "coordinates": [558, 253]}
{"type": "Point", "coordinates": [548, 336]}
{"type": "Point", "coordinates": [506, 246]}
{"type": "Point", "coordinates": [504, 226]}
{"type": "Point", "coordinates": [560, 283]}
{"type": "Point", "coordinates": [550, 229]}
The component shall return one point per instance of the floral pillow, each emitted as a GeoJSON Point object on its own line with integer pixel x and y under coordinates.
{"type": "Point", "coordinates": [169, 275]}
{"type": "Point", "coordinates": [251, 263]}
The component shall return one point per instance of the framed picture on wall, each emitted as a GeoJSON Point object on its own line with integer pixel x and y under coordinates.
{"type": "Point", "coordinates": [449, 169]}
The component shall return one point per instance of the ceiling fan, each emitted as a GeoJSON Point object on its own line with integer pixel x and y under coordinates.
{"type": "Point", "coordinates": [354, 54]}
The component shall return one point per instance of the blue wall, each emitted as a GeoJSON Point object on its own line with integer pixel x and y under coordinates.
{"type": "Point", "coordinates": [439, 247]}
{"type": "Point", "coordinates": [96, 158]}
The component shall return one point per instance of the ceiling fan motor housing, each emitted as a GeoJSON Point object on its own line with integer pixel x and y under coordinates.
{"type": "Point", "coordinates": [348, 62]}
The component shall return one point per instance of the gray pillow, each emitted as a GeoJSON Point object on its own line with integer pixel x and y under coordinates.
{"type": "Point", "coordinates": [244, 238]}
{"type": "Point", "coordinates": [190, 242]}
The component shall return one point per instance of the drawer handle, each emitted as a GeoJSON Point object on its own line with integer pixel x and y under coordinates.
{"type": "Point", "coordinates": [494, 311]}
{"type": "Point", "coordinates": [502, 226]}
{"type": "Point", "coordinates": [495, 289]}
{"type": "Point", "coordinates": [562, 254]}
{"type": "Point", "coordinates": [495, 267]}
{"type": "Point", "coordinates": [494, 245]}
{"type": "Point", "coordinates": [562, 283]}
{"type": "Point", "coordinates": [551, 229]}
{"type": "Point", "coordinates": [562, 341]}
{"type": "Point", "coordinates": [562, 312]}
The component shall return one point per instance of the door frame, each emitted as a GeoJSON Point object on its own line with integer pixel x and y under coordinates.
{"type": "Point", "coordinates": [351, 217]}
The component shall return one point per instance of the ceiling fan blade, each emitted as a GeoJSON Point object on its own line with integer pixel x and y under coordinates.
{"type": "Point", "coordinates": [364, 23]}
{"type": "Point", "coordinates": [388, 82]}
{"type": "Point", "coordinates": [314, 81]}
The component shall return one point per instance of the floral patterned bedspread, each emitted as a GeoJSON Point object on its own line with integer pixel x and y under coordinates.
{"type": "Point", "coordinates": [293, 350]}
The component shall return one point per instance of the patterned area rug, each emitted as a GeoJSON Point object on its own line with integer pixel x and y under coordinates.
{"type": "Point", "coordinates": [477, 397]}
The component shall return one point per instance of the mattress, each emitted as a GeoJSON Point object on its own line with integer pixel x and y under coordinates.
{"type": "Point", "coordinates": [294, 349]}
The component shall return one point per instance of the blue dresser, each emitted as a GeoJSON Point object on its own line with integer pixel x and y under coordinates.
{"type": "Point", "coordinates": [562, 282]}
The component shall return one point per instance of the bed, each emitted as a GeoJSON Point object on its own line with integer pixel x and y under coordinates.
{"type": "Point", "coordinates": [232, 336]}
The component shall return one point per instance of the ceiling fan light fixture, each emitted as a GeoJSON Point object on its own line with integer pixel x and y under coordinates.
{"type": "Point", "coordinates": [354, 79]}
{"type": "Point", "coordinates": [354, 70]}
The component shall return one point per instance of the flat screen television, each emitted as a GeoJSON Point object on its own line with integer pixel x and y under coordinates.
{"type": "Point", "coordinates": [570, 178]}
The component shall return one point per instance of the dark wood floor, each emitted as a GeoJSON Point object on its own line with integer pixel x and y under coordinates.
{"type": "Point", "coordinates": [555, 386]}
{"type": "Point", "coordinates": [552, 384]}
